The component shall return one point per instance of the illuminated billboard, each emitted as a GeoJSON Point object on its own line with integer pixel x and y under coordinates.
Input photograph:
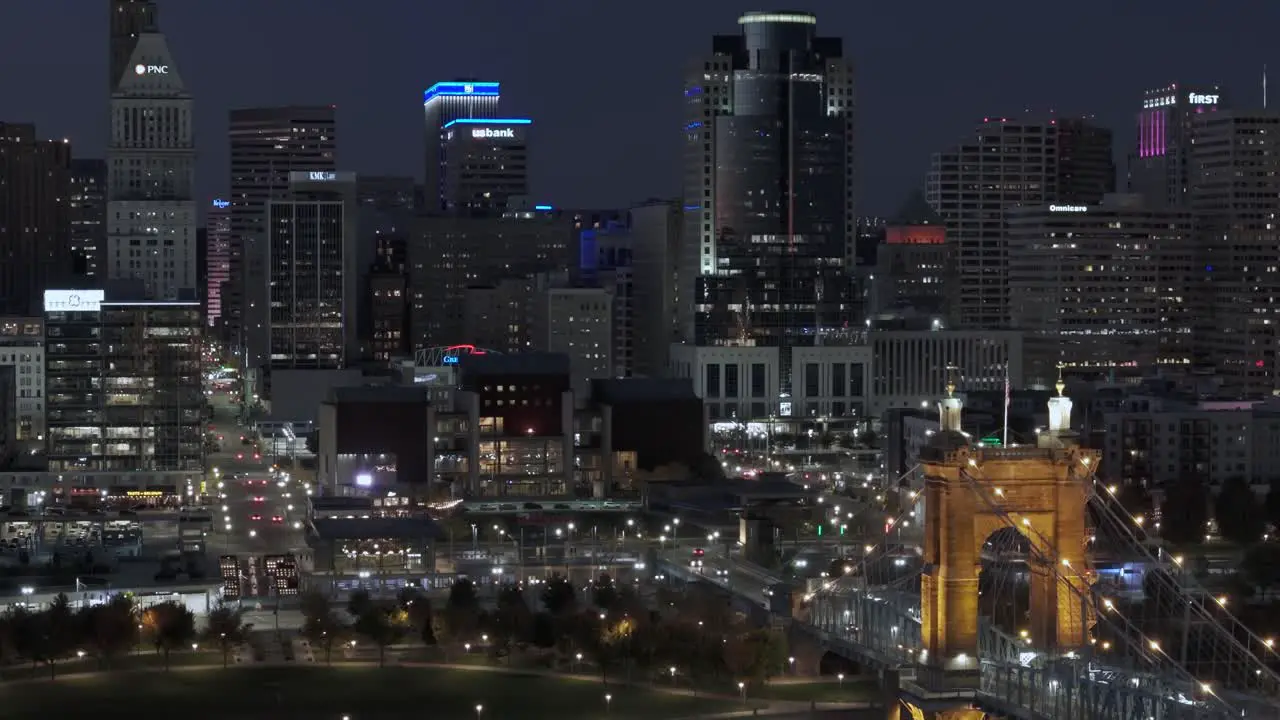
{"type": "Point", "coordinates": [915, 235]}
{"type": "Point", "coordinates": [460, 89]}
{"type": "Point", "coordinates": [73, 300]}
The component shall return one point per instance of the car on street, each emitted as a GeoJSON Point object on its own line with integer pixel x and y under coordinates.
{"type": "Point", "coordinates": [255, 516]}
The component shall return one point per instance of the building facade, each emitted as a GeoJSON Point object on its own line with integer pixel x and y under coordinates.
{"type": "Point", "coordinates": [1101, 291]}
{"type": "Point", "coordinates": [1160, 167]}
{"type": "Point", "coordinates": [35, 219]}
{"type": "Point", "coordinates": [22, 348]}
{"type": "Point", "coordinates": [442, 104]}
{"type": "Point", "coordinates": [1235, 166]}
{"type": "Point", "coordinates": [151, 210]}
{"type": "Point", "coordinates": [313, 280]}
{"type": "Point", "coordinates": [88, 211]}
{"type": "Point", "coordinates": [1008, 163]}
{"type": "Point", "coordinates": [768, 242]}
{"type": "Point", "coordinates": [576, 322]}
{"type": "Point", "coordinates": [217, 258]}
{"type": "Point", "coordinates": [129, 19]}
{"type": "Point", "coordinates": [123, 383]}
{"type": "Point", "coordinates": [266, 145]}
{"type": "Point", "coordinates": [486, 164]}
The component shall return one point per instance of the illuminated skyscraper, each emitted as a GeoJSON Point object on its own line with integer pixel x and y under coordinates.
{"type": "Point", "coordinates": [129, 19]}
{"type": "Point", "coordinates": [443, 103]}
{"type": "Point", "coordinates": [218, 257]}
{"type": "Point", "coordinates": [88, 217]}
{"type": "Point", "coordinates": [769, 187]}
{"type": "Point", "coordinates": [1159, 168]}
{"type": "Point", "coordinates": [151, 158]}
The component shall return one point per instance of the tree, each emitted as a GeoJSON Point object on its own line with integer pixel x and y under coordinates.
{"type": "Point", "coordinates": [558, 596]}
{"type": "Point", "coordinates": [1241, 519]}
{"type": "Point", "coordinates": [604, 593]}
{"type": "Point", "coordinates": [756, 656]}
{"type": "Point", "coordinates": [383, 624]}
{"type": "Point", "coordinates": [168, 626]}
{"type": "Point", "coordinates": [60, 631]}
{"type": "Point", "coordinates": [110, 629]}
{"type": "Point", "coordinates": [418, 607]}
{"type": "Point", "coordinates": [28, 634]}
{"type": "Point", "coordinates": [1135, 500]}
{"type": "Point", "coordinates": [1273, 502]}
{"type": "Point", "coordinates": [1261, 566]}
{"type": "Point", "coordinates": [1185, 510]}
{"type": "Point", "coordinates": [359, 603]}
{"type": "Point", "coordinates": [461, 618]}
{"type": "Point", "coordinates": [512, 622]}
{"type": "Point", "coordinates": [226, 628]}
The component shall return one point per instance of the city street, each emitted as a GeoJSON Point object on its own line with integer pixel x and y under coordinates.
{"type": "Point", "coordinates": [259, 514]}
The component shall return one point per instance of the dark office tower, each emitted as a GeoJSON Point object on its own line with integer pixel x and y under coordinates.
{"type": "Point", "coordinates": [971, 186]}
{"type": "Point", "coordinates": [443, 103]}
{"type": "Point", "coordinates": [35, 220]}
{"type": "Point", "coordinates": [486, 165]}
{"type": "Point", "coordinates": [129, 19]}
{"type": "Point", "coordinates": [386, 205]}
{"type": "Point", "coordinates": [1086, 168]}
{"type": "Point", "coordinates": [313, 278]}
{"type": "Point", "coordinates": [88, 218]}
{"type": "Point", "coordinates": [266, 145]}
{"type": "Point", "coordinates": [1159, 168]}
{"type": "Point", "coordinates": [1235, 180]}
{"type": "Point", "coordinates": [769, 185]}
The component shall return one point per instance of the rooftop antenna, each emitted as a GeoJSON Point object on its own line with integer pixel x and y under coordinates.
{"type": "Point", "coordinates": [1264, 86]}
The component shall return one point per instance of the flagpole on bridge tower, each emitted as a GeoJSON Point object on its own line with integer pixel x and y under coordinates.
{"type": "Point", "coordinates": [1004, 439]}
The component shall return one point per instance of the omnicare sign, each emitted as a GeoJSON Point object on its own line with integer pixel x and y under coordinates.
{"type": "Point", "coordinates": [485, 133]}
{"type": "Point", "coordinates": [151, 69]}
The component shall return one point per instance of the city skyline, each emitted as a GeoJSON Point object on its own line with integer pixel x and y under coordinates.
{"type": "Point", "coordinates": [584, 107]}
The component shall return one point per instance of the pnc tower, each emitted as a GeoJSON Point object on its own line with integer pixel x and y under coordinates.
{"type": "Point", "coordinates": [151, 211]}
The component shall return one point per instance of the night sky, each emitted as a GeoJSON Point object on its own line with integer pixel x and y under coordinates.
{"type": "Point", "coordinates": [602, 80]}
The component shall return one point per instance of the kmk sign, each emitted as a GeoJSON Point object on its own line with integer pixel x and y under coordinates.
{"type": "Point", "coordinates": [322, 176]}
{"type": "Point", "coordinates": [151, 69]}
{"type": "Point", "coordinates": [486, 133]}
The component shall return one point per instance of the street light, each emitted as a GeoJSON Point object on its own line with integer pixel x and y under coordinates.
{"type": "Point", "coordinates": [792, 662]}
{"type": "Point", "coordinates": [673, 674]}
{"type": "Point", "coordinates": [479, 709]}
{"type": "Point", "coordinates": [840, 677]}
{"type": "Point", "coordinates": [467, 647]}
{"type": "Point", "coordinates": [607, 699]}
{"type": "Point", "coordinates": [742, 688]}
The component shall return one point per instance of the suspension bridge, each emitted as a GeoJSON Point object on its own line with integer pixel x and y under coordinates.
{"type": "Point", "coordinates": [1004, 614]}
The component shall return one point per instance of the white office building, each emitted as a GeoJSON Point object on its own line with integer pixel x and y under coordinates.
{"type": "Point", "coordinates": [576, 322]}
{"type": "Point", "coordinates": [910, 366]}
{"type": "Point", "coordinates": [151, 211]}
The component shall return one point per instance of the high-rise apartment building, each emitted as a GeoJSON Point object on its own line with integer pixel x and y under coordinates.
{"type": "Point", "coordinates": [88, 208]}
{"type": "Point", "coordinates": [123, 381]}
{"type": "Point", "coordinates": [217, 233]}
{"type": "Point", "coordinates": [151, 157]}
{"type": "Point", "coordinates": [312, 275]}
{"type": "Point", "coordinates": [576, 322]}
{"type": "Point", "coordinates": [1235, 180]}
{"type": "Point", "coordinates": [769, 185]}
{"type": "Point", "coordinates": [1160, 167]}
{"type": "Point", "coordinates": [1007, 163]}
{"type": "Point", "coordinates": [129, 19]}
{"type": "Point", "coordinates": [1102, 291]}
{"type": "Point", "coordinates": [35, 220]}
{"type": "Point", "coordinates": [443, 103]}
{"type": "Point", "coordinates": [486, 164]}
{"type": "Point", "coordinates": [267, 144]}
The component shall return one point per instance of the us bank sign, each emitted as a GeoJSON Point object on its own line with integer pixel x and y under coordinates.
{"type": "Point", "coordinates": [487, 133]}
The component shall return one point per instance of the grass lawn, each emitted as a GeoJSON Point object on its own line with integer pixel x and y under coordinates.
{"type": "Point", "coordinates": [823, 690]}
{"type": "Point", "coordinates": [133, 661]}
{"type": "Point", "coordinates": [320, 693]}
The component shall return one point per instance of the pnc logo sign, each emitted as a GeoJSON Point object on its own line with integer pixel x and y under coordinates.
{"type": "Point", "coordinates": [151, 69]}
{"type": "Point", "coordinates": [1202, 99]}
{"type": "Point", "coordinates": [484, 133]}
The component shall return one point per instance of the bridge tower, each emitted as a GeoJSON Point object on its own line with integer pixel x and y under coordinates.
{"type": "Point", "coordinates": [971, 491]}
